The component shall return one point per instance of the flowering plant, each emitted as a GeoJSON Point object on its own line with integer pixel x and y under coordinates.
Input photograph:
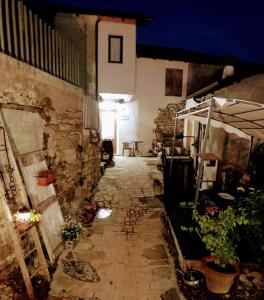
{"type": "Point", "coordinates": [212, 210]}
{"type": "Point", "coordinates": [71, 229]}
{"type": "Point", "coordinates": [27, 215]}
{"type": "Point", "coordinates": [34, 216]}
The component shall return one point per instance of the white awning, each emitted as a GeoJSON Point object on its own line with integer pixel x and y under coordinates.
{"type": "Point", "coordinates": [241, 117]}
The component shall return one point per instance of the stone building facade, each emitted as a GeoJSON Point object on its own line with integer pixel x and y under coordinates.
{"type": "Point", "coordinates": [42, 112]}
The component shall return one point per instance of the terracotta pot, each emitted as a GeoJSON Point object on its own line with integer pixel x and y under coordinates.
{"type": "Point", "coordinates": [218, 282]}
{"type": "Point", "coordinates": [46, 177]}
{"type": "Point", "coordinates": [23, 226]}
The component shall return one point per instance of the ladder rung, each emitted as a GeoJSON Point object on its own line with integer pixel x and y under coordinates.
{"type": "Point", "coordinates": [30, 252]}
{"type": "Point", "coordinates": [35, 272]}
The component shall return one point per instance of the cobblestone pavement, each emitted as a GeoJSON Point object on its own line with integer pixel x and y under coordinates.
{"type": "Point", "coordinates": [127, 250]}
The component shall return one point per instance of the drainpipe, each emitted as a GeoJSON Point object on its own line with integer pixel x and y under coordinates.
{"type": "Point", "coordinates": [96, 55]}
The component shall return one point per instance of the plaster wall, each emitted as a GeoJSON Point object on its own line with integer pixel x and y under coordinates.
{"type": "Point", "coordinates": [117, 78]}
{"type": "Point", "coordinates": [149, 98]}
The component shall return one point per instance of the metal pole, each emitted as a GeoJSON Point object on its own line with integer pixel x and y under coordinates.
{"type": "Point", "coordinates": [200, 168]}
{"type": "Point", "coordinates": [173, 143]}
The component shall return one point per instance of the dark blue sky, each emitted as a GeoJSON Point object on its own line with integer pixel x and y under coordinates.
{"type": "Point", "coordinates": [226, 28]}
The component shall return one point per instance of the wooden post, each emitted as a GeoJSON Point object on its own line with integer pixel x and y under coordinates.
{"type": "Point", "coordinates": [13, 6]}
{"type": "Point", "coordinates": [8, 33]}
{"type": "Point", "coordinates": [21, 33]}
{"type": "Point", "coordinates": [60, 56]}
{"type": "Point", "coordinates": [64, 64]}
{"type": "Point", "coordinates": [67, 59]}
{"type": "Point", "coordinates": [41, 257]}
{"type": "Point", "coordinates": [36, 39]}
{"type": "Point", "coordinates": [41, 44]}
{"type": "Point", "coordinates": [22, 264]}
{"type": "Point", "coordinates": [70, 62]}
{"type": "Point", "coordinates": [200, 167]}
{"type": "Point", "coordinates": [32, 42]}
{"type": "Point", "coordinates": [26, 33]}
{"type": "Point", "coordinates": [57, 57]}
{"type": "Point", "coordinates": [49, 49]}
{"type": "Point", "coordinates": [45, 38]}
{"type": "Point", "coordinates": [53, 52]}
{"type": "Point", "coordinates": [2, 40]}
{"type": "Point", "coordinates": [78, 69]}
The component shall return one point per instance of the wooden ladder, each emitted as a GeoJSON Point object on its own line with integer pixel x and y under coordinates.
{"type": "Point", "coordinates": [21, 255]}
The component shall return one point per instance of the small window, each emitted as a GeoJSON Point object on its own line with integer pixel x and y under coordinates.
{"type": "Point", "coordinates": [173, 82]}
{"type": "Point", "coordinates": [115, 49]}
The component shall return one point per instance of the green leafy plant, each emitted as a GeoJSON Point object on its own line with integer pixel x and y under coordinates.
{"type": "Point", "coordinates": [253, 233]}
{"type": "Point", "coordinates": [70, 229]}
{"type": "Point", "coordinates": [220, 233]}
{"type": "Point", "coordinates": [34, 216]}
{"type": "Point", "coordinates": [256, 165]}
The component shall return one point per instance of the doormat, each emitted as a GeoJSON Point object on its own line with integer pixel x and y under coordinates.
{"type": "Point", "coordinates": [81, 270]}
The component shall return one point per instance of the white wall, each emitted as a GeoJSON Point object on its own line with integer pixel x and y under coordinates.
{"type": "Point", "coordinates": [116, 78]}
{"type": "Point", "coordinates": [148, 98]}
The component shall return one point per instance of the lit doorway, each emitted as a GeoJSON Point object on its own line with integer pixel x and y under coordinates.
{"type": "Point", "coordinates": [108, 126]}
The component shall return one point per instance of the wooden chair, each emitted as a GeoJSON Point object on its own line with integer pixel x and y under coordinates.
{"type": "Point", "coordinates": [129, 147]}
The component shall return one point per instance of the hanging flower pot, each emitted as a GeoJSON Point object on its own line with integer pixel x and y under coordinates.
{"type": "Point", "coordinates": [46, 177]}
{"type": "Point", "coordinates": [25, 218]}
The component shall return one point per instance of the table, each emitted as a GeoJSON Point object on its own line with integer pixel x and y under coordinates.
{"type": "Point", "coordinates": [136, 149]}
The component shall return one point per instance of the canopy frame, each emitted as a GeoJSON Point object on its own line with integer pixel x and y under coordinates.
{"type": "Point", "coordinates": [233, 114]}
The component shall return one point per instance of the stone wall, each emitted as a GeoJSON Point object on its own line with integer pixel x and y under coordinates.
{"type": "Point", "coordinates": [250, 89]}
{"type": "Point", "coordinates": [53, 121]}
{"type": "Point", "coordinates": [165, 121]}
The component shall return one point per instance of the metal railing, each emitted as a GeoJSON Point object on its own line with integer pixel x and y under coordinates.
{"type": "Point", "coordinates": [26, 37]}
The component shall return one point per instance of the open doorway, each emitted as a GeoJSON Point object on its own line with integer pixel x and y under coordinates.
{"type": "Point", "coordinates": [109, 126]}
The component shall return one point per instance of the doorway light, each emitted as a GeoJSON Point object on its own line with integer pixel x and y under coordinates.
{"type": "Point", "coordinates": [114, 97]}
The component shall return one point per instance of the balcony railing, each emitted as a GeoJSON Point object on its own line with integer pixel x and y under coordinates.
{"type": "Point", "coordinates": [26, 37]}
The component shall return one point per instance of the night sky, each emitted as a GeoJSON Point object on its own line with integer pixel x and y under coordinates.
{"type": "Point", "coordinates": [233, 28]}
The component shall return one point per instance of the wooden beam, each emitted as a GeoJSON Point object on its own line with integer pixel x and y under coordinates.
{"type": "Point", "coordinates": [26, 33]}
{"type": "Point", "coordinates": [49, 49]}
{"type": "Point", "coordinates": [13, 16]}
{"type": "Point", "coordinates": [7, 23]}
{"type": "Point", "coordinates": [60, 56]}
{"type": "Point", "coordinates": [57, 47]}
{"type": "Point", "coordinates": [36, 26]}
{"type": "Point", "coordinates": [2, 39]}
{"type": "Point", "coordinates": [45, 39]}
{"type": "Point", "coordinates": [67, 59]}
{"type": "Point", "coordinates": [21, 33]}
{"type": "Point", "coordinates": [41, 44]}
{"type": "Point", "coordinates": [32, 42]}
{"type": "Point", "coordinates": [53, 52]}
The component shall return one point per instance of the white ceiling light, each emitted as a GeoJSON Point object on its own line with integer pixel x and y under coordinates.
{"type": "Point", "coordinates": [113, 97]}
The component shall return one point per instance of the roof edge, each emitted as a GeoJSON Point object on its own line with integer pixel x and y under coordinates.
{"type": "Point", "coordinates": [141, 19]}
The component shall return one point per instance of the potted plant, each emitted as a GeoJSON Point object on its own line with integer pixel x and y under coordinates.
{"type": "Point", "coordinates": [70, 231]}
{"type": "Point", "coordinates": [26, 218]}
{"type": "Point", "coordinates": [219, 231]}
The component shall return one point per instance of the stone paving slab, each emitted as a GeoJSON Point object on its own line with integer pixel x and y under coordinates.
{"type": "Point", "coordinates": [128, 251]}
